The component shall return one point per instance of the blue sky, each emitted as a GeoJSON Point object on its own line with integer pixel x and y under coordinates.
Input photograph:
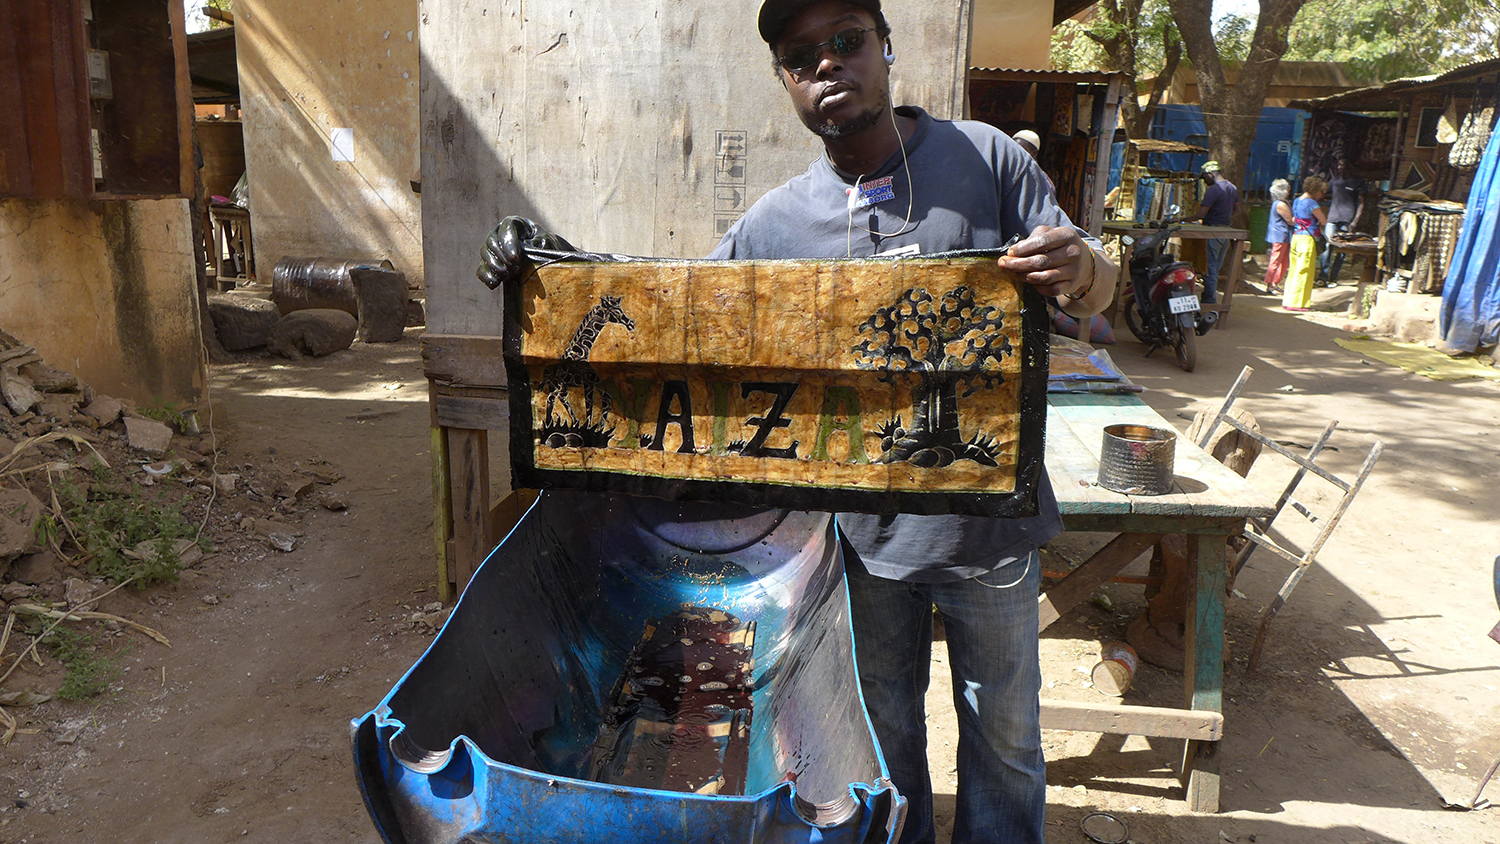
{"type": "Point", "coordinates": [1238, 7]}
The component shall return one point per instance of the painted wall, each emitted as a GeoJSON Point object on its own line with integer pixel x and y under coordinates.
{"type": "Point", "coordinates": [643, 128]}
{"type": "Point", "coordinates": [1013, 34]}
{"type": "Point", "coordinates": [307, 69]}
{"type": "Point", "coordinates": [105, 290]}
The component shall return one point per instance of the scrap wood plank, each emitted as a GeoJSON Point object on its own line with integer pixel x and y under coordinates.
{"type": "Point", "coordinates": [1082, 582]}
{"type": "Point", "coordinates": [469, 488]}
{"type": "Point", "coordinates": [480, 413]}
{"type": "Point", "coordinates": [1120, 719]}
{"type": "Point", "coordinates": [463, 361]}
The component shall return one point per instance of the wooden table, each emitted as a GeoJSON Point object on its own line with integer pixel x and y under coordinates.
{"type": "Point", "coordinates": [1194, 252]}
{"type": "Point", "coordinates": [234, 245]}
{"type": "Point", "coordinates": [1209, 503]}
{"type": "Point", "coordinates": [1367, 252]}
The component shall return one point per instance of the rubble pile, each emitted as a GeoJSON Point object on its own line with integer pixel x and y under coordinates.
{"type": "Point", "coordinates": [55, 433]}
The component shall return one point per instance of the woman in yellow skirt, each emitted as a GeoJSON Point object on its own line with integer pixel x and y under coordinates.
{"type": "Point", "coordinates": [1307, 221]}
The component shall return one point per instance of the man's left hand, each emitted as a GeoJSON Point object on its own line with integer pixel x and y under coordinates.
{"type": "Point", "coordinates": [1054, 259]}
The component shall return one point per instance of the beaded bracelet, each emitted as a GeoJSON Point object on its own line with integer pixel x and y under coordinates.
{"type": "Point", "coordinates": [1071, 297]}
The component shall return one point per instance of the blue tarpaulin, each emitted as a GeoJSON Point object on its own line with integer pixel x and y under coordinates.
{"type": "Point", "coordinates": [1470, 316]}
{"type": "Point", "coordinates": [1275, 136]}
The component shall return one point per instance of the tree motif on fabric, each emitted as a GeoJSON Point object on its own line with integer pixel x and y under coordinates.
{"type": "Point", "coordinates": [948, 342]}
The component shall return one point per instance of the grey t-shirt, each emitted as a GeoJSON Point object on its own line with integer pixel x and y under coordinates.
{"type": "Point", "coordinates": [974, 189]}
{"type": "Point", "coordinates": [1345, 193]}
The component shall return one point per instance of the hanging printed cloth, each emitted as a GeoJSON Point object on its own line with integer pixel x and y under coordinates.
{"type": "Point", "coordinates": [1472, 137]}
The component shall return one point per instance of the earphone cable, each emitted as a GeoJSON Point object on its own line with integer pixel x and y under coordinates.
{"type": "Point", "coordinates": [911, 191]}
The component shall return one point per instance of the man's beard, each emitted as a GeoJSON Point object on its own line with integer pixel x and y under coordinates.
{"type": "Point", "coordinates": [854, 125]}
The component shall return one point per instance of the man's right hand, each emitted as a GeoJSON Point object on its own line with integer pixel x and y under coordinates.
{"type": "Point", "coordinates": [504, 260]}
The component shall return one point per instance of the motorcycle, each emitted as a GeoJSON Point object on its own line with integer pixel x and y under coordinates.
{"type": "Point", "coordinates": [1161, 306]}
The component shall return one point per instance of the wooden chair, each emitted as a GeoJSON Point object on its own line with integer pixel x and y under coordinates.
{"type": "Point", "coordinates": [1259, 531]}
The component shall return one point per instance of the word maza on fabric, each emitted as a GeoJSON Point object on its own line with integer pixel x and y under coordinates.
{"type": "Point", "coordinates": [914, 385]}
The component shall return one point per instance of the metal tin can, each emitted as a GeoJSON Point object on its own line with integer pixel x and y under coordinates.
{"type": "Point", "coordinates": [1137, 459]}
{"type": "Point", "coordinates": [1115, 670]}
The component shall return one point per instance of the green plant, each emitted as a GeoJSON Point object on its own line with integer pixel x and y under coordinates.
{"type": "Point", "coordinates": [111, 530]}
{"type": "Point", "coordinates": [89, 672]}
{"type": "Point", "coordinates": [167, 413]}
{"type": "Point", "coordinates": [46, 531]}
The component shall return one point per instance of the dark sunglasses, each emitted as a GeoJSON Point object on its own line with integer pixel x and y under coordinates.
{"type": "Point", "coordinates": [842, 43]}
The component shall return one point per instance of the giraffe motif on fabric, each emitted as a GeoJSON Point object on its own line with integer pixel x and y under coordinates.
{"type": "Point", "coordinates": [574, 370]}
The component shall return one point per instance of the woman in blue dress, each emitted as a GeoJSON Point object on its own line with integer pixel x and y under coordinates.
{"type": "Point", "coordinates": [1307, 222]}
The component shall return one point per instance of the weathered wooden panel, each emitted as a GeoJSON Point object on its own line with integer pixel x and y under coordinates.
{"type": "Point", "coordinates": [639, 128]}
{"type": "Point", "coordinates": [913, 385]}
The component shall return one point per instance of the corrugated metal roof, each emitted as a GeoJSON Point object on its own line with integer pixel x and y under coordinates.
{"type": "Point", "coordinates": [1099, 77]}
{"type": "Point", "coordinates": [1386, 97]}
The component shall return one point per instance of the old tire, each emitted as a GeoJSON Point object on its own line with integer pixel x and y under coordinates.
{"type": "Point", "coordinates": [1133, 316]}
{"type": "Point", "coordinates": [1185, 344]}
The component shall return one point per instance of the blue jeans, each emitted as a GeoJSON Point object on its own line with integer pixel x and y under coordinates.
{"type": "Point", "coordinates": [991, 624]}
{"type": "Point", "coordinates": [1329, 264]}
{"type": "Point", "coordinates": [1216, 247]}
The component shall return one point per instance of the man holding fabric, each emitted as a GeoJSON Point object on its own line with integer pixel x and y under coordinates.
{"type": "Point", "coordinates": [896, 181]}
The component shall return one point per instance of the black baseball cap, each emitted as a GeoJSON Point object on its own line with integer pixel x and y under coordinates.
{"type": "Point", "coordinates": [775, 13]}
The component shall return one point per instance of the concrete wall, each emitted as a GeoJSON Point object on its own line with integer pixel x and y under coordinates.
{"type": "Point", "coordinates": [1013, 34]}
{"type": "Point", "coordinates": [642, 128]}
{"type": "Point", "coordinates": [105, 290]}
{"type": "Point", "coordinates": [307, 68]}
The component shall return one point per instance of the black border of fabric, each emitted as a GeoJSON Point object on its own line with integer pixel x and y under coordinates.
{"type": "Point", "coordinates": [1020, 503]}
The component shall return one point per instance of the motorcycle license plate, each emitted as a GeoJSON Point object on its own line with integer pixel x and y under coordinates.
{"type": "Point", "coordinates": [1183, 304]}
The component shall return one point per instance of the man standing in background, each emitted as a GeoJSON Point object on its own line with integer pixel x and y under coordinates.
{"type": "Point", "coordinates": [1346, 204]}
{"type": "Point", "coordinates": [1220, 202]}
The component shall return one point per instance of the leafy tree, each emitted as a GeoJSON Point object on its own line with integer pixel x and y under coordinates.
{"type": "Point", "coordinates": [1231, 114]}
{"type": "Point", "coordinates": [949, 342]}
{"type": "Point", "coordinates": [1136, 38]}
{"type": "Point", "coordinates": [1390, 39]}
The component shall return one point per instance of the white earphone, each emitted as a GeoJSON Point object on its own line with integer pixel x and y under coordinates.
{"type": "Point", "coordinates": [890, 55]}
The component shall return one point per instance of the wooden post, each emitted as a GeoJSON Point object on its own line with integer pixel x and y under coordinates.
{"type": "Point", "coordinates": [469, 485]}
{"type": "Point", "coordinates": [1203, 673]}
{"type": "Point", "coordinates": [442, 512]}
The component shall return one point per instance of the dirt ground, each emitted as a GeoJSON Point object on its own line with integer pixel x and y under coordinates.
{"type": "Point", "coordinates": [1377, 699]}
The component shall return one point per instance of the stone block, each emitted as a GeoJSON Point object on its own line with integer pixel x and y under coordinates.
{"type": "Point", "coordinates": [147, 435]}
{"type": "Point", "coordinates": [17, 391]}
{"type": "Point", "coordinates": [105, 409]}
{"type": "Point", "coordinates": [19, 513]}
{"type": "Point", "coordinates": [242, 322]}
{"type": "Point", "coordinates": [49, 379]}
{"type": "Point", "coordinates": [316, 332]}
{"type": "Point", "coordinates": [1408, 317]}
{"type": "Point", "coordinates": [381, 295]}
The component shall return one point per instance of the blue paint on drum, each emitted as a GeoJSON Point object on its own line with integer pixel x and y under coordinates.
{"type": "Point", "coordinates": [488, 737]}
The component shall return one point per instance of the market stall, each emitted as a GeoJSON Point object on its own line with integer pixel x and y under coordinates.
{"type": "Point", "coordinates": [1423, 137]}
{"type": "Point", "coordinates": [1074, 115]}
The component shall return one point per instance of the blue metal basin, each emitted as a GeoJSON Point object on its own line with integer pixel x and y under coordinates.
{"type": "Point", "coordinates": [544, 712]}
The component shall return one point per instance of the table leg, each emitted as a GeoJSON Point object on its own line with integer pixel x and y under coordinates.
{"type": "Point", "coordinates": [1234, 259]}
{"type": "Point", "coordinates": [1366, 278]}
{"type": "Point", "coordinates": [218, 251]}
{"type": "Point", "coordinates": [1203, 672]}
